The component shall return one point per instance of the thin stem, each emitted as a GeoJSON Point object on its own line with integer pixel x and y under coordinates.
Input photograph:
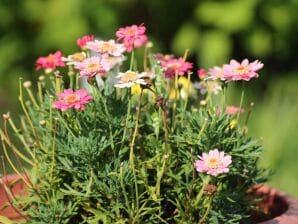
{"type": "Point", "coordinates": [131, 154]}
{"type": "Point", "coordinates": [241, 102]}
{"type": "Point", "coordinates": [124, 191]}
{"type": "Point", "coordinates": [131, 60]}
{"type": "Point", "coordinates": [199, 196]}
{"type": "Point", "coordinates": [166, 154]}
{"type": "Point", "coordinates": [126, 120]}
{"type": "Point", "coordinates": [40, 95]}
{"type": "Point", "coordinates": [175, 101]}
{"type": "Point", "coordinates": [202, 220]}
{"type": "Point", "coordinates": [25, 109]}
{"type": "Point", "coordinates": [53, 154]}
{"type": "Point", "coordinates": [32, 98]}
{"type": "Point", "coordinates": [187, 91]}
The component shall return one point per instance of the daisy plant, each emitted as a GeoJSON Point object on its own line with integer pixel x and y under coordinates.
{"type": "Point", "coordinates": [114, 139]}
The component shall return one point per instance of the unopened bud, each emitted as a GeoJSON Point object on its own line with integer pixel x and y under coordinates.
{"type": "Point", "coordinates": [209, 190]}
{"type": "Point", "coordinates": [149, 44]}
{"type": "Point", "coordinates": [203, 102]}
{"type": "Point", "coordinates": [27, 84]}
{"type": "Point", "coordinates": [6, 116]}
{"type": "Point", "coordinates": [160, 101]}
{"type": "Point", "coordinates": [42, 122]}
{"type": "Point", "coordinates": [41, 78]}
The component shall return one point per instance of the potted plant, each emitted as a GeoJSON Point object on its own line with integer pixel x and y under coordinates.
{"type": "Point", "coordinates": [111, 139]}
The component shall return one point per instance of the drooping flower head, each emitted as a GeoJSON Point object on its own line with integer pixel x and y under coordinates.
{"type": "Point", "coordinates": [214, 162]}
{"type": "Point", "coordinates": [132, 36]}
{"type": "Point", "coordinates": [176, 66]}
{"type": "Point", "coordinates": [72, 99]}
{"type": "Point", "coordinates": [106, 48]}
{"type": "Point", "coordinates": [93, 66]}
{"type": "Point", "coordinates": [232, 110]}
{"type": "Point", "coordinates": [50, 62]}
{"type": "Point", "coordinates": [81, 42]}
{"type": "Point", "coordinates": [130, 78]}
{"type": "Point", "coordinates": [241, 71]}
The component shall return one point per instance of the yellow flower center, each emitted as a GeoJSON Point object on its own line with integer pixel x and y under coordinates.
{"type": "Point", "coordinates": [77, 57]}
{"type": "Point", "coordinates": [174, 66]}
{"type": "Point", "coordinates": [129, 77]}
{"type": "Point", "coordinates": [212, 162]}
{"type": "Point", "coordinates": [241, 70]}
{"type": "Point", "coordinates": [50, 58]}
{"type": "Point", "coordinates": [92, 67]}
{"type": "Point", "coordinates": [130, 32]}
{"type": "Point", "coordinates": [106, 46]}
{"type": "Point", "coordinates": [71, 98]}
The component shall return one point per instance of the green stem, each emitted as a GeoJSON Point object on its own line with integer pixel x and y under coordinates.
{"type": "Point", "coordinates": [199, 196]}
{"type": "Point", "coordinates": [202, 220]}
{"type": "Point", "coordinates": [241, 102]}
{"type": "Point", "coordinates": [131, 60]}
{"type": "Point", "coordinates": [187, 91]}
{"type": "Point", "coordinates": [175, 101]}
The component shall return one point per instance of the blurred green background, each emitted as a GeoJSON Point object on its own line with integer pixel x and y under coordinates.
{"type": "Point", "coordinates": [214, 30]}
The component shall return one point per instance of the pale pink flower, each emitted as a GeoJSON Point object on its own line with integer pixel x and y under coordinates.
{"type": "Point", "coordinates": [213, 163]}
{"type": "Point", "coordinates": [93, 66]}
{"type": "Point", "coordinates": [241, 71]}
{"type": "Point", "coordinates": [132, 36]}
{"type": "Point", "coordinates": [74, 58]}
{"type": "Point", "coordinates": [50, 62]}
{"type": "Point", "coordinates": [108, 48]}
{"type": "Point", "coordinates": [70, 99]}
{"type": "Point", "coordinates": [176, 66]}
{"type": "Point", "coordinates": [232, 110]}
{"type": "Point", "coordinates": [81, 42]}
{"type": "Point", "coordinates": [130, 78]}
{"type": "Point", "coordinates": [216, 73]}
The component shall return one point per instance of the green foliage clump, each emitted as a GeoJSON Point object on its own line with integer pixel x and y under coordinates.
{"type": "Point", "coordinates": [129, 156]}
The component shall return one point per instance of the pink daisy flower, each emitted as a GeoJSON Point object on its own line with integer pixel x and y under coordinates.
{"type": "Point", "coordinates": [81, 42]}
{"type": "Point", "coordinates": [93, 66]}
{"type": "Point", "coordinates": [241, 71]}
{"type": "Point", "coordinates": [176, 66]}
{"type": "Point", "coordinates": [216, 73]}
{"type": "Point", "coordinates": [132, 36]}
{"type": "Point", "coordinates": [109, 48]}
{"type": "Point", "coordinates": [232, 110]}
{"type": "Point", "coordinates": [50, 62]}
{"type": "Point", "coordinates": [213, 163]}
{"type": "Point", "coordinates": [70, 99]}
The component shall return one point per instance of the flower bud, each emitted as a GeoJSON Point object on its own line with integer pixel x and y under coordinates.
{"type": "Point", "coordinates": [42, 122]}
{"type": "Point", "coordinates": [41, 78]}
{"type": "Point", "coordinates": [27, 84]}
{"type": "Point", "coordinates": [6, 116]}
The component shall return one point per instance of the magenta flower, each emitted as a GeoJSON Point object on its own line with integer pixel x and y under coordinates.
{"type": "Point", "coordinates": [108, 48]}
{"type": "Point", "coordinates": [70, 99]}
{"type": "Point", "coordinates": [50, 62]}
{"type": "Point", "coordinates": [132, 36]}
{"type": "Point", "coordinates": [202, 73]}
{"type": "Point", "coordinates": [176, 66]}
{"type": "Point", "coordinates": [93, 66]}
{"type": "Point", "coordinates": [232, 110]}
{"type": "Point", "coordinates": [81, 42]}
{"type": "Point", "coordinates": [213, 163]}
{"type": "Point", "coordinates": [241, 71]}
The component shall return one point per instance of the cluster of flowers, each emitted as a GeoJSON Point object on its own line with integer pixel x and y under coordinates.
{"type": "Point", "coordinates": [105, 55]}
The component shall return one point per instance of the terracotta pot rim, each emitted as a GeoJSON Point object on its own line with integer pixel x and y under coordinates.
{"type": "Point", "coordinates": [290, 216]}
